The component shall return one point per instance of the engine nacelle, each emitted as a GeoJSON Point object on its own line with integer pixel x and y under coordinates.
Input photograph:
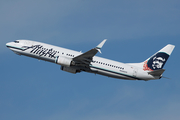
{"type": "Point", "coordinates": [63, 61]}
{"type": "Point", "coordinates": [69, 69]}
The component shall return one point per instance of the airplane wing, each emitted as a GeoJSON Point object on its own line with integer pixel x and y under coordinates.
{"type": "Point", "coordinates": [86, 58]}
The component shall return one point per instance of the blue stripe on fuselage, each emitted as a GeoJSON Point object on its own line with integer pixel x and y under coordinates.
{"type": "Point", "coordinates": [115, 72]}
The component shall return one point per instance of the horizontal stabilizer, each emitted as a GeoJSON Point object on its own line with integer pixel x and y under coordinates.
{"type": "Point", "coordinates": [157, 72]}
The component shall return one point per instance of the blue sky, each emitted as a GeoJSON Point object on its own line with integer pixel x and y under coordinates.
{"type": "Point", "coordinates": [32, 89]}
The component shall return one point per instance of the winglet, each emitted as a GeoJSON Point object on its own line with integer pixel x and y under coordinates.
{"type": "Point", "coordinates": [100, 45]}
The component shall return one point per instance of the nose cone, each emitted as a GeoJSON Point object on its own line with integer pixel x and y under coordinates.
{"type": "Point", "coordinates": [8, 44]}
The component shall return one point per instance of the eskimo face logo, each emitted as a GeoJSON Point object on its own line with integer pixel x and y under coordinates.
{"type": "Point", "coordinates": [157, 61]}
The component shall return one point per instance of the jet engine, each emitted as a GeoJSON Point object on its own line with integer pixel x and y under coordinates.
{"type": "Point", "coordinates": [63, 61]}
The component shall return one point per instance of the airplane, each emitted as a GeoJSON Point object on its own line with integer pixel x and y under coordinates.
{"type": "Point", "coordinates": [76, 62]}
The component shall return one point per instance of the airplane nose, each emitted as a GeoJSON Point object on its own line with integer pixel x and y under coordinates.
{"type": "Point", "coordinates": [7, 44]}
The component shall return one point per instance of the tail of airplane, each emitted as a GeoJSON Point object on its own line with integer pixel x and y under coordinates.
{"type": "Point", "coordinates": [158, 60]}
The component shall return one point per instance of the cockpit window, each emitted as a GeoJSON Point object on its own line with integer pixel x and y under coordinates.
{"type": "Point", "coordinates": [16, 41]}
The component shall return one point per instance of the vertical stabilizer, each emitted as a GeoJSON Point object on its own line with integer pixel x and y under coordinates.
{"type": "Point", "coordinates": [158, 60]}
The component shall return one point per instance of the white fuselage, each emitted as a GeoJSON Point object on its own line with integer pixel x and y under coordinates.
{"type": "Point", "coordinates": [98, 65]}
